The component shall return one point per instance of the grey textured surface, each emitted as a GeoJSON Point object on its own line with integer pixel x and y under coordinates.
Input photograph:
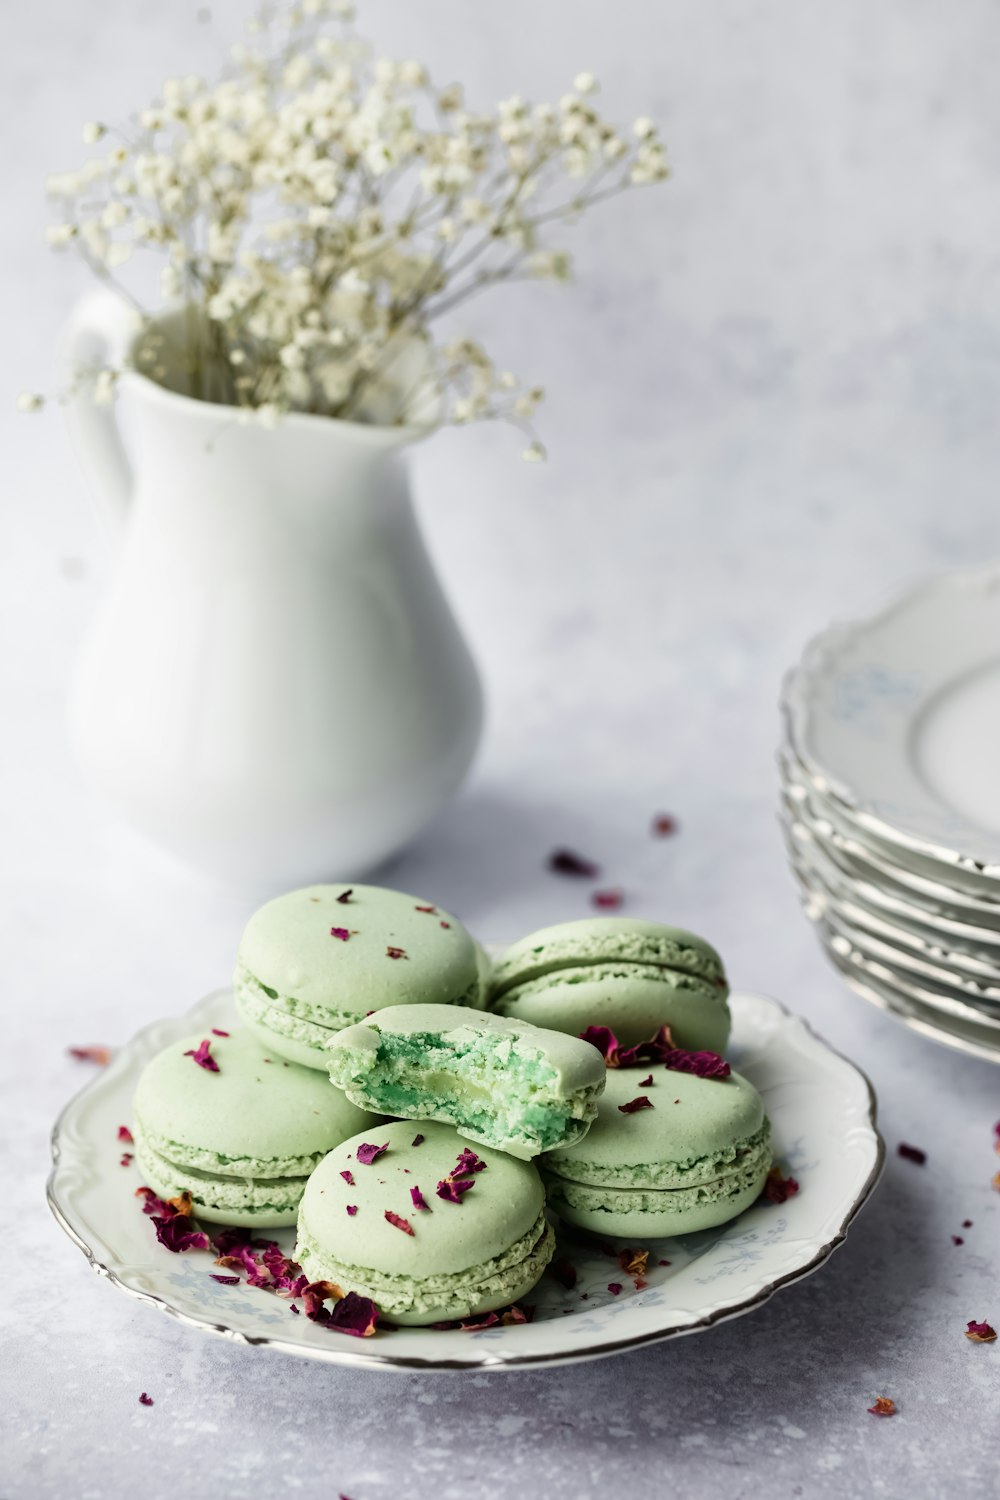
{"type": "Point", "coordinates": [773, 397]}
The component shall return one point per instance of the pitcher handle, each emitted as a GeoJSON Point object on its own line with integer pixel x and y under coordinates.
{"type": "Point", "coordinates": [100, 329]}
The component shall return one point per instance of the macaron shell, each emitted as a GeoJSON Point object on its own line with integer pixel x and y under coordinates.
{"type": "Point", "coordinates": [289, 946]}
{"type": "Point", "coordinates": [257, 1108]}
{"type": "Point", "coordinates": [635, 1000]}
{"type": "Point", "coordinates": [696, 1125]}
{"type": "Point", "coordinates": [502, 1206]}
{"type": "Point", "coordinates": [601, 940]}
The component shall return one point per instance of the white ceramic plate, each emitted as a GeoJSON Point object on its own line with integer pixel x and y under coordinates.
{"type": "Point", "coordinates": [962, 1036]}
{"type": "Point", "coordinates": [822, 1110]}
{"type": "Point", "coordinates": [898, 717]}
{"type": "Point", "coordinates": [856, 851]}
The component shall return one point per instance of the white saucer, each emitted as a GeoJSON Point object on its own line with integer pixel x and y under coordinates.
{"type": "Point", "coordinates": [822, 1109]}
{"type": "Point", "coordinates": [897, 718]}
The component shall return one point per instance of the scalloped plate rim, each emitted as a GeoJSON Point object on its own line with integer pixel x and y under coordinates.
{"type": "Point", "coordinates": [480, 1358]}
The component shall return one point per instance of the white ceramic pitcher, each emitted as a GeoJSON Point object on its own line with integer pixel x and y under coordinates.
{"type": "Point", "coordinates": [274, 687]}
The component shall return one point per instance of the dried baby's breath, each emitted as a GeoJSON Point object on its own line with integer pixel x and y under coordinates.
{"type": "Point", "coordinates": [315, 209]}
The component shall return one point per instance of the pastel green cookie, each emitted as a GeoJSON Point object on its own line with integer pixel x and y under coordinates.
{"type": "Point", "coordinates": [501, 1082]}
{"type": "Point", "coordinates": [426, 1264]}
{"type": "Point", "coordinates": [622, 972]}
{"type": "Point", "coordinates": [243, 1140]}
{"type": "Point", "coordinates": [696, 1159]}
{"type": "Point", "coordinates": [312, 962]}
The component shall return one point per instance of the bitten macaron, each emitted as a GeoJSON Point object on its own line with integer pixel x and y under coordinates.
{"type": "Point", "coordinates": [408, 1215]}
{"type": "Point", "coordinates": [693, 1156]}
{"type": "Point", "coordinates": [624, 972]}
{"type": "Point", "coordinates": [237, 1127]}
{"type": "Point", "coordinates": [501, 1082]}
{"type": "Point", "coordinates": [316, 960]}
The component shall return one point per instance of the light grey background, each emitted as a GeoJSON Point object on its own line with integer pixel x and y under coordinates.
{"type": "Point", "coordinates": [774, 396]}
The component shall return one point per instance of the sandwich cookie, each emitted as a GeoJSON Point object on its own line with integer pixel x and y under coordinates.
{"type": "Point", "coordinates": [693, 1156]}
{"type": "Point", "coordinates": [319, 959]}
{"type": "Point", "coordinates": [427, 1228]}
{"type": "Point", "coordinates": [240, 1130]}
{"type": "Point", "coordinates": [632, 975]}
{"type": "Point", "coordinates": [501, 1082]}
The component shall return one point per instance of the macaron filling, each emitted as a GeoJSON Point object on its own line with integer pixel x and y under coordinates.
{"type": "Point", "coordinates": [266, 1194]}
{"type": "Point", "coordinates": [622, 1210]}
{"type": "Point", "coordinates": [494, 1088]}
{"type": "Point", "coordinates": [752, 1155]}
{"type": "Point", "coordinates": [617, 954]}
{"type": "Point", "coordinates": [490, 1284]}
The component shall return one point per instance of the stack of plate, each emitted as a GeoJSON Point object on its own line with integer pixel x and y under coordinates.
{"type": "Point", "coordinates": [891, 805]}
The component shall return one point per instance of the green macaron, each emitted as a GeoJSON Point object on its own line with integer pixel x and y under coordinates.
{"type": "Point", "coordinates": [501, 1082]}
{"type": "Point", "coordinates": [694, 1158]}
{"type": "Point", "coordinates": [409, 1216]}
{"type": "Point", "coordinates": [319, 959]}
{"type": "Point", "coordinates": [623, 972]}
{"type": "Point", "coordinates": [241, 1131]}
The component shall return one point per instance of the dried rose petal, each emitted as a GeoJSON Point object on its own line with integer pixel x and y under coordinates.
{"type": "Point", "coordinates": [99, 1055]}
{"type": "Point", "coordinates": [701, 1064]}
{"type": "Point", "coordinates": [417, 1199]}
{"type": "Point", "coordinates": [345, 896]}
{"type": "Point", "coordinates": [418, 1140]}
{"type": "Point", "coordinates": [664, 825]}
{"type": "Point", "coordinates": [224, 1280]}
{"type": "Point", "coordinates": [203, 1057]}
{"type": "Point", "coordinates": [145, 1400]}
{"type": "Point", "coordinates": [980, 1333]}
{"type": "Point", "coordinates": [354, 1315]}
{"type": "Point", "coordinates": [565, 1274]}
{"type": "Point", "coordinates": [217, 1032]}
{"type": "Point", "coordinates": [883, 1407]}
{"type": "Point", "coordinates": [426, 908]}
{"type": "Point", "coordinates": [646, 1083]}
{"type": "Point", "coordinates": [340, 932]}
{"type": "Point", "coordinates": [607, 1044]}
{"type": "Point", "coordinates": [468, 1162]}
{"type": "Point", "coordinates": [911, 1153]}
{"type": "Point", "coordinates": [634, 1105]}
{"type": "Point", "coordinates": [126, 1159]}
{"type": "Point", "coordinates": [957, 1239]}
{"type": "Point", "coordinates": [663, 1263]}
{"type": "Point", "coordinates": [444, 924]}
{"type": "Point", "coordinates": [367, 1153]}
{"type": "Point", "coordinates": [352, 1209]}
{"type": "Point", "coordinates": [398, 1222]}
{"type": "Point", "coordinates": [397, 953]}
{"type": "Point", "coordinates": [565, 862]}
{"type": "Point", "coordinates": [124, 1134]}
{"type": "Point", "coordinates": [633, 1262]}
{"type": "Point", "coordinates": [609, 900]}
{"type": "Point", "coordinates": [485, 1320]}
{"type": "Point", "coordinates": [778, 1189]}
{"type": "Point", "coordinates": [514, 1315]}
{"type": "Point", "coordinates": [451, 1190]}
{"type": "Point", "coordinates": [614, 1287]}
{"type": "Point", "coordinates": [151, 1204]}
{"type": "Point", "coordinates": [348, 1178]}
{"type": "Point", "coordinates": [178, 1235]}
{"type": "Point", "coordinates": [966, 1223]}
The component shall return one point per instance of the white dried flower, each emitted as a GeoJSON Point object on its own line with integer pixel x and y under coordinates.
{"type": "Point", "coordinates": [92, 132]}
{"type": "Point", "coordinates": [644, 127]}
{"type": "Point", "coordinates": [29, 401]}
{"type": "Point", "coordinates": [533, 454]}
{"type": "Point", "coordinates": [307, 201]}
